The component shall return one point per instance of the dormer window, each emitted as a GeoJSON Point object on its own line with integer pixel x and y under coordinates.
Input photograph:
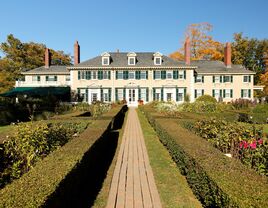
{"type": "Point", "coordinates": [105, 58]}
{"type": "Point", "coordinates": [157, 58]}
{"type": "Point", "coordinates": [131, 58]}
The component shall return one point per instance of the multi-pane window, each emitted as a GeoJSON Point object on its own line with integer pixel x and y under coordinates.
{"type": "Point", "coordinates": [83, 94]}
{"type": "Point", "coordinates": [94, 97]}
{"type": "Point", "coordinates": [216, 93]}
{"type": "Point", "coordinates": [143, 94]}
{"type": "Point", "coordinates": [217, 79]}
{"type": "Point", "coordinates": [131, 60]}
{"type": "Point", "coordinates": [157, 60]}
{"type": "Point", "coordinates": [120, 94]}
{"type": "Point", "coordinates": [105, 60]}
{"type": "Point", "coordinates": [198, 92]}
{"type": "Point", "coordinates": [180, 94]}
{"type": "Point", "coordinates": [247, 78]}
{"type": "Point", "coordinates": [143, 75]}
{"type": "Point", "coordinates": [105, 74]}
{"type": "Point", "coordinates": [227, 93]}
{"type": "Point", "coordinates": [199, 78]}
{"type": "Point", "coordinates": [119, 74]}
{"type": "Point", "coordinates": [131, 75]}
{"type": "Point", "coordinates": [181, 74]}
{"type": "Point", "coordinates": [105, 95]}
{"type": "Point", "coordinates": [245, 93]}
{"type": "Point", "coordinates": [94, 74]}
{"type": "Point", "coordinates": [157, 74]}
{"type": "Point", "coordinates": [51, 78]}
{"type": "Point", "coordinates": [169, 74]}
{"type": "Point", "coordinates": [35, 78]}
{"type": "Point", "coordinates": [228, 78]}
{"type": "Point", "coordinates": [67, 78]}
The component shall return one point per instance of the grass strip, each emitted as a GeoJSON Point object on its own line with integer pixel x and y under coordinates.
{"type": "Point", "coordinates": [172, 186]}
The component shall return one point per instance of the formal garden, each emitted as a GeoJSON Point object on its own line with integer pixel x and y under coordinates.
{"type": "Point", "coordinates": [221, 148]}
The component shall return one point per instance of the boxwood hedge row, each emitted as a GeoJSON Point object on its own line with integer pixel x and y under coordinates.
{"type": "Point", "coordinates": [216, 180]}
{"type": "Point", "coordinates": [38, 185]}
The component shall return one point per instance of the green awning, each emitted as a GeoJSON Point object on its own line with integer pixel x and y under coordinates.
{"type": "Point", "coordinates": [37, 91]}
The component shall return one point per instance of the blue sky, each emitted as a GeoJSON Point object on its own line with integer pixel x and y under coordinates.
{"type": "Point", "coordinates": [139, 25]}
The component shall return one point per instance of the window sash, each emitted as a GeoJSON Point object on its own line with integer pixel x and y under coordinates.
{"type": "Point", "coordinates": [217, 79]}
{"type": "Point", "coordinates": [181, 74]}
{"type": "Point", "coordinates": [131, 75]}
{"type": "Point", "coordinates": [131, 61]}
{"type": "Point", "coordinates": [199, 78]}
{"type": "Point", "coordinates": [105, 61]}
{"type": "Point", "coordinates": [143, 75]}
{"type": "Point", "coordinates": [94, 75]}
{"type": "Point", "coordinates": [157, 74]}
{"type": "Point", "coordinates": [157, 61]}
{"type": "Point", "coordinates": [169, 74]}
{"type": "Point", "coordinates": [36, 78]}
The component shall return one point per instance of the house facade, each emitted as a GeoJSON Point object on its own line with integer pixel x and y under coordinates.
{"type": "Point", "coordinates": [145, 76]}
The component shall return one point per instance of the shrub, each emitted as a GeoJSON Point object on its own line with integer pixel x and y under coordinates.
{"type": "Point", "coordinates": [244, 141]}
{"type": "Point", "coordinates": [206, 98]}
{"type": "Point", "coordinates": [217, 181]}
{"type": "Point", "coordinates": [242, 103]}
{"type": "Point", "coordinates": [31, 143]}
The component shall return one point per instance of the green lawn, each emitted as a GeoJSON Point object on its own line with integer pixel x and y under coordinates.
{"type": "Point", "coordinates": [172, 186]}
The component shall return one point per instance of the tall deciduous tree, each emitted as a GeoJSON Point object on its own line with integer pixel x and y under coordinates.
{"type": "Point", "coordinates": [25, 56]}
{"type": "Point", "coordinates": [202, 44]}
{"type": "Point", "coordinates": [249, 52]}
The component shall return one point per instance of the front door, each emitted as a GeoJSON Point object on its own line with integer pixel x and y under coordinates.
{"type": "Point", "coordinates": [132, 97]}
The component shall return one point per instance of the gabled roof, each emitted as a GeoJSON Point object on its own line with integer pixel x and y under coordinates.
{"type": "Point", "coordinates": [211, 67]}
{"type": "Point", "coordinates": [143, 59]}
{"type": "Point", "coordinates": [51, 70]}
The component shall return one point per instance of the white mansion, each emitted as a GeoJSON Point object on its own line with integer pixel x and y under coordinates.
{"type": "Point", "coordinates": [133, 77]}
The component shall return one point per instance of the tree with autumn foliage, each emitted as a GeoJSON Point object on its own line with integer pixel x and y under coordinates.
{"type": "Point", "coordinates": [202, 44]}
{"type": "Point", "coordinates": [21, 56]}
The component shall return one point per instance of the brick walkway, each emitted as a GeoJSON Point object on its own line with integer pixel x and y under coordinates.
{"type": "Point", "coordinates": [133, 182]}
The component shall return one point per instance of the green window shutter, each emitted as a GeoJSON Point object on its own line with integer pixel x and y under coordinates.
{"type": "Point", "coordinates": [138, 74]}
{"type": "Point", "coordinates": [231, 91]}
{"type": "Point", "coordinates": [88, 75]}
{"type": "Point", "coordinates": [55, 78]}
{"type": "Point", "coordinates": [194, 79]}
{"type": "Point", "coordinates": [241, 94]}
{"type": "Point", "coordinates": [116, 74]}
{"type": "Point", "coordinates": [154, 74]}
{"type": "Point", "coordinates": [249, 78]}
{"type": "Point", "coordinates": [101, 94]}
{"type": "Point", "coordinates": [195, 93]}
{"type": "Point", "coordinates": [223, 93]}
{"type": "Point", "coordinates": [184, 74]}
{"type": "Point", "coordinates": [220, 93]}
{"type": "Point", "coordinates": [109, 74]}
{"type": "Point", "coordinates": [220, 79]}
{"type": "Point", "coordinates": [146, 74]}
{"type": "Point", "coordinates": [163, 74]}
{"type": "Point", "coordinates": [38, 78]}
{"type": "Point", "coordinates": [139, 93]}
{"type": "Point", "coordinates": [125, 74]}
{"type": "Point", "coordinates": [100, 75]}
{"type": "Point", "coordinates": [202, 79]}
{"type": "Point", "coordinates": [79, 75]}
{"type": "Point", "coordinates": [124, 93]}
{"type": "Point", "coordinates": [110, 94]}
{"type": "Point", "coordinates": [231, 78]}
{"type": "Point", "coordinates": [202, 92]}
{"type": "Point", "coordinates": [175, 74]}
{"type": "Point", "coordinates": [86, 95]}
{"type": "Point", "coordinates": [147, 94]}
{"type": "Point", "coordinates": [213, 78]}
{"type": "Point", "coordinates": [177, 94]}
{"type": "Point", "coordinates": [184, 93]}
{"type": "Point", "coordinates": [162, 94]}
{"type": "Point", "coordinates": [116, 94]}
{"type": "Point", "coordinates": [249, 93]}
{"type": "Point", "coordinates": [78, 91]}
{"type": "Point", "coordinates": [213, 93]}
{"type": "Point", "coordinates": [46, 78]}
{"type": "Point", "coordinates": [153, 93]}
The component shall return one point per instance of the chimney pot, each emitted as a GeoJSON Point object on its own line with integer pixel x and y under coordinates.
{"type": "Point", "coordinates": [47, 58]}
{"type": "Point", "coordinates": [187, 51]}
{"type": "Point", "coordinates": [228, 55]}
{"type": "Point", "coordinates": [76, 53]}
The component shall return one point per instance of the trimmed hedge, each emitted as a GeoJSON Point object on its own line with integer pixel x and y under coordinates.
{"type": "Point", "coordinates": [217, 181]}
{"type": "Point", "coordinates": [40, 184]}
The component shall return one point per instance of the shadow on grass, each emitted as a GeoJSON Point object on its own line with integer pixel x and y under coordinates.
{"type": "Point", "coordinates": [82, 185]}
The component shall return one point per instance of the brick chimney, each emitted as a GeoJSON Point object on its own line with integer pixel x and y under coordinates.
{"type": "Point", "coordinates": [228, 55]}
{"type": "Point", "coordinates": [265, 60]}
{"type": "Point", "coordinates": [187, 51]}
{"type": "Point", "coordinates": [76, 53]}
{"type": "Point", "coordinates": [47, 58]}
